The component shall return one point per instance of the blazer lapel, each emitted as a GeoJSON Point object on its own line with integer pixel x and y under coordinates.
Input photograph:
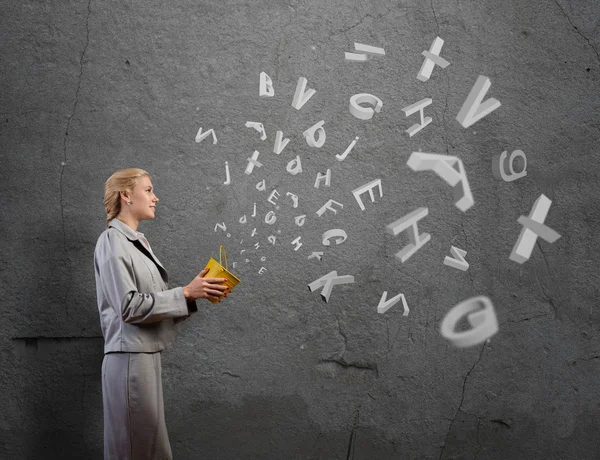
{"type": "Point", "coordinates": [135, 239]}
{"type": "Point", "coordinates": [142, 247]}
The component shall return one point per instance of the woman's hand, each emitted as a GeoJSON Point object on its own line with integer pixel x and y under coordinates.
{"type": "Point", "coordinates": [205, 288]}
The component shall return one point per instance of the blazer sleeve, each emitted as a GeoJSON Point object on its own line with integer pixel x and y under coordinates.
{"type": "Point", "coordinates": [118, 283]}
{"type": "Point", "coordinates": [192, 308]}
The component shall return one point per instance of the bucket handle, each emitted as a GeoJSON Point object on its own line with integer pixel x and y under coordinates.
{"type": "Point", "coordinates": [222, 249]}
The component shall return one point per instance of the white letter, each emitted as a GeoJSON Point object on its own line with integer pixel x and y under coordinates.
{"type": "Point", "coordinates": [416, 240]}
{"type": "Point", "coordinates": [409, 110]}
{"type": "Point", "coordinates": [293, 170]}
{"type": "Point", "coordinates": [228, 180]}
{"type": "Point", "coordinates": [201, 135]}
{"type": "Point", "coordinates": [363, 188]}
{"type": "Point", "coordinates": [364, 113]}
{"type": "Point", "coordinates": [326, 176]}
{"type": "Point", "coordinates": [366, 51]}
{"type": "Point", "coordinates": [386, 305]}
{"type": "Point", "coordinates": [329, 281]}
{"type": "Point", "coordinates": [252, 161]}
{"type": "Point", "coordinates": [259, 127]}
{"type": "Point", "coordinates": [332, 234]}
{"type": "Point", "coordinates": [269, 220]}
{"type": "Point", "coordinates": [279, 146]}
{"type": "Point", "coordinates": [533, 226]}
{"type": "Point", "coordinates": [347, 151]}
{"type": "Point", "coordinates": [445, 167]}
{"type": "Point", "coordinates": [300, 98]}
{"type": "Point", "coordinates": [328, 206]}
{"type": "Point", "coordinates": [273, 193]}
{"type": "Point", "coordinates": [297, 242]}
{"type": "Point", "coordinates": [458, 261]}
{"type": "Point", "coordinates": [266, 86]}
{"type": "Point", "coordinates": [483, 321]}
{"type": "Point", "coordinates": [294, 199]}
{"type": "Point", "coordinates": [499, 166]}
{"type": "Point", "coordinates": [472, 109]}
{"type": "Point", "coordinates": [432, 57]}
{"type": "Point", "coordinates": [309, 134]}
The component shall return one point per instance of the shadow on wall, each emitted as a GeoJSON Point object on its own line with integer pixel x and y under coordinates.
{"type": "Point", "coordinates": [60, 393]}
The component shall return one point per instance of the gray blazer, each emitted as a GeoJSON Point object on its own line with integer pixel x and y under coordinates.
{"type": "Point", "coordinates": [138, 312]}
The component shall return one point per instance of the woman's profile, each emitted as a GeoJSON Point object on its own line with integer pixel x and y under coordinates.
{"type": "Point", "coordinates": [138, 314]}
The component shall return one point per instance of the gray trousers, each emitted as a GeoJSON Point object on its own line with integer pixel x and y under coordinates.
{"type": "Point", "coordinates": [134, 417]}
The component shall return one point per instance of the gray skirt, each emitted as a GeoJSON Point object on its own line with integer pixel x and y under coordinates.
{"type": "Point", "coordinates": [134, 416]}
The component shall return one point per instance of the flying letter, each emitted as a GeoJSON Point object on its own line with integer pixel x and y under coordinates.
{"type": "Point", "coordinates": [266, 86]}
{"type": "Point", "coordinates": [450, 169]}
{"type": "Point", "coordinates": [473, 110]}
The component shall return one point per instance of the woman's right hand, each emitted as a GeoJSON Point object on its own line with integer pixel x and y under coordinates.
{"type": "Point", "coordinates": [206, 288]}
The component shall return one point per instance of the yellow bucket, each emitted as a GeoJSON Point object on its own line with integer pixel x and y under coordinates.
{"type": "Point", "coordinates": [216, 270]}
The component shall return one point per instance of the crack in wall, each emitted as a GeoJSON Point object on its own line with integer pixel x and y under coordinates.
{"type": "Point", "coordinates": [461, 399]}
{"type": "Point", "coordinates": [231, 374]}
{"type": "Point", "coordinates": [347, 29]}
{"type": "Point", "coordinates": [577, 30]}
{"type": "Point", "coordinates": [477, 438]}
{"type": "Point", "coordinates": [462, 224]}
{"type": "Point", "coordinates": [524, 319]}
{"type": "Point", "coordinates": [444, 124]}
{"type": "Point", "coordinates": [500, 422]}
{"type": "Point", "coordinates": [351, 443]}
{"type": "Point", "coordinates": [435, 18]}
{"type": "Point", "coordinates": [278, 53]}
{"type": "Point", "coordinates": [390, 348]}
{"type": "Point", "coordinates": [64, 162]}
{"type": "Point", "coordinates": [354, 365]}
{"type": "Point", "coordinates": [344, 337]}
{"type": "Point", "coordinates": [547, 297]}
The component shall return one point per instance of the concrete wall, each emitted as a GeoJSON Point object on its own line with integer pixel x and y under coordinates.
{"type": "Point", "coordinates": [275, 372]}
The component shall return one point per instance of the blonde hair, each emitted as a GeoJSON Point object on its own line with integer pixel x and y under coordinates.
{"type": "Point", "coordinates": [120, 181]}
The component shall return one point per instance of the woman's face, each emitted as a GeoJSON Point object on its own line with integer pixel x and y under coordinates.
{"type": "Point", "coordinates": [144, 200]}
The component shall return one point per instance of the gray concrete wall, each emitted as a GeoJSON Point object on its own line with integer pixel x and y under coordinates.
{"type": "Point", "coordinates": [275, 372]}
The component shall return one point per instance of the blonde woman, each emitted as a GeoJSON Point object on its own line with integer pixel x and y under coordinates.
{"type": "Point", "coordinates": [138, 314]}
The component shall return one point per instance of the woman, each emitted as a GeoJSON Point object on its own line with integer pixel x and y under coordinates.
{"type": "Point", "coordinates": [138, 314]}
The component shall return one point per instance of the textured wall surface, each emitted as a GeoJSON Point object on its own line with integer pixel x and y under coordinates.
{"type": "Point", "coordinates": [274, 371]}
